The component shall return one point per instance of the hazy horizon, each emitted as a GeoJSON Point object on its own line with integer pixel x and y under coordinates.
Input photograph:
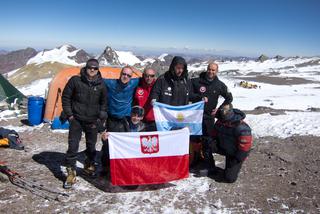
{"type": "Point", "coordinates": [233, 28]}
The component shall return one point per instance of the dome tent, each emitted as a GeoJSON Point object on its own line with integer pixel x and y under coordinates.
{"type": "Point", "coordinates": [8, 92]}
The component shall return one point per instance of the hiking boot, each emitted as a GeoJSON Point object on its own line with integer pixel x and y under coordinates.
{"type": "Point", "coordinates": [89, 168]}
{"type": "Point", "coordinates": [71, 178]}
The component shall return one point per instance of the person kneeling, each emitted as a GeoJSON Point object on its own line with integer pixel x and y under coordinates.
{"type": "Point", "coordinates": [231, 138]}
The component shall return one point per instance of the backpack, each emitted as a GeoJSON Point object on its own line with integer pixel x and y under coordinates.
{"type": "Point", "coordinates": [10, 138]}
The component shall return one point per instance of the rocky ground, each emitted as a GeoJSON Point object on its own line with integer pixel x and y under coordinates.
{"type": "Point", "coordinates": [280, 176]}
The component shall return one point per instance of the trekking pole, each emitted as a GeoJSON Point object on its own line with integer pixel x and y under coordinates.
{"type": "Point", "coordinates": [32, 186]}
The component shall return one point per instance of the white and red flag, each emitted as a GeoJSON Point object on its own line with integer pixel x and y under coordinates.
{"type": "Point", "coordinates": [138, 158]}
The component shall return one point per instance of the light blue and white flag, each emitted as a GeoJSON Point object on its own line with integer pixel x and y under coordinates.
{"type": "Point", "coordinates": [169, 117]}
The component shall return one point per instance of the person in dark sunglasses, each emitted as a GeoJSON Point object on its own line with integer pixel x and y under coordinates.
{"type": "Point", "coordinates": [120, 99]}
{"type": "Point", "coordinates": [84, 104]}
{"type": "Point", "coordinates": [141, 97]}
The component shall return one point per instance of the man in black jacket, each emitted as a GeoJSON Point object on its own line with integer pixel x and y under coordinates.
{"type": "Point", "coordinates": [209, 87]}
{"type": "Point", "coordinates": [174, 87]}
{"type": "Point", "coordinates": [85, 105]}
{"type": "Point", "coordinates": [232, 138]}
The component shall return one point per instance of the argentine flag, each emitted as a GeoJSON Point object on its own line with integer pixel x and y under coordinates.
{"type": "Point", "coordinates": [169, 117]}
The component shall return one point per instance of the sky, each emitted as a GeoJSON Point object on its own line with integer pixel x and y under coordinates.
{"type": "Point", "coordinates": [229, 27]}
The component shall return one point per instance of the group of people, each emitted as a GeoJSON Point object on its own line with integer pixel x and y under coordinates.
{"type": "Point", "coordinates": [95, 105]}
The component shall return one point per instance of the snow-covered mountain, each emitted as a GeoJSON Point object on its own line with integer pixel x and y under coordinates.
{"type": "Point", "coordinates": [283, 82]}
{"type": "Point", "coordinates": [109, 57]}
{"type": "Point", "coordinates": [273, 65]}
{"type": "Point", "coordinates": [147, 61]}
{"type": "Point", "coordinates": [47, 63]}
{"type": "Point", "coordinates": [162, 56]}
{"type": "Point", "coordinates": [127, 58]}
{"type": "Point", "coordinates": [113, 57]}
{"type": "Point", "coordinates": [66, 54]}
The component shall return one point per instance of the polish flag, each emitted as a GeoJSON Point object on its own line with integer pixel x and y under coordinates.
{"type": "Point", "coordinates": [138, 158]}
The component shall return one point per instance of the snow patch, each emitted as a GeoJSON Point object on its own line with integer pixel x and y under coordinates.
{"type": "Point", "coordinates": [148, 60]}
{"type": "Point", "coordinates": [293, 123]}
{"type": "Point", "coordinates": [275, 96]}
{"type": "Point", "coordinates": [63, 131]}
{"type": "Point", "coordinates": [9, 114]}
{"type": "Point", "coordinates": [162, 56]}
{"type": "Point", "coordinates": [127, 58]}
{"type": "Point", "coordinates": [11, 73]}
{"type": "Point", "coordinates": [36, 88]}
{"type": "Point", "coordinates": [24, 128]}
{"type": "Point", "coordinates": [61, 54]}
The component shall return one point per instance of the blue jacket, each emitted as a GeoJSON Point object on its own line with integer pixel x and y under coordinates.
{"type": "Point", "coordinates": [120, 97]}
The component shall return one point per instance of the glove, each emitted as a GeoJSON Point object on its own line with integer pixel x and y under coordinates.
{"type": "Point", "coordinates": [101, 125]}
{"type": "Point", "coordinates": [63, 117]}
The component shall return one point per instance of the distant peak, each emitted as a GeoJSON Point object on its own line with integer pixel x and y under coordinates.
{"type": "Point", "coordinates": [68, 47]}
{"type": "Point", "coordinates": [108, 49]}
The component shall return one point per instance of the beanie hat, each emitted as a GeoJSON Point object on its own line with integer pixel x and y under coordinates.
{"type": "Point", "coordinates": [92, 63]}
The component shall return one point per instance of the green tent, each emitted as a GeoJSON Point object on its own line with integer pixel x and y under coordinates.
{"type": "Point", "coordinates": [8, 92]}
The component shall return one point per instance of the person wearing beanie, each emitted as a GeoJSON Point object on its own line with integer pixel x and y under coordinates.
{"type": "Point", "coordinates": [84, 104]}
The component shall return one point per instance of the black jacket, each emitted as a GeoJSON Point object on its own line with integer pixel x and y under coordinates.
{"type": "Point", "coordinates": [85, 100]}
{"type": "Point", "coordinates": [171, 89]}
{"type": "Point", "coordinates": [233, 136]}
{"type": "Point", "coordinates": [212, 90]}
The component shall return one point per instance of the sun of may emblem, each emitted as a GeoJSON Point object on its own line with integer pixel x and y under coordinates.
{"type": "Point", "coordinates": [180, 117]}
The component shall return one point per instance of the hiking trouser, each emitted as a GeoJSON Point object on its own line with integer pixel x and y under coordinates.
{"type": "Point", "coordinates": [207, 129]}
{"type": "Point", "coordinates": [75, 131]}
{"type": "Point", "coordinates": [207, 152]}
{"type": "Point", "coordinates": [207, 126]}
{"type": "Point", "coordinates": [232, 165]}
{"type": "Point", "coordinates": [113, 125]}
{"type": "Point", "coordinates": [150, 126]}
{"type": "Point", "coordinates": [232, 169]}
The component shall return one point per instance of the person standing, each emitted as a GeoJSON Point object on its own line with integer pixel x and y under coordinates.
{"type": "Point", "coordinates": [142, 97]}
{"type": "Point", "coordinates": [84, 104]}
{"type": "Point", "coordinates": [174, 87]}
{"type": "Point", "coordinates": [120, 99]}
{"type": "Point", "coordinates": [210, 88]}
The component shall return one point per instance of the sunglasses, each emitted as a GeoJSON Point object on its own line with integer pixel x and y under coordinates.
{"type": "Point", "coordinates": [125, 74]}
{"type": "Point", "coordinates": [149, 76]}
{"type": "Point", "coordinates": [93, 68]}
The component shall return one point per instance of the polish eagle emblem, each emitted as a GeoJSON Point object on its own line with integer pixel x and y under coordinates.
{"type": "Point", "coordinates": [149, 144]}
